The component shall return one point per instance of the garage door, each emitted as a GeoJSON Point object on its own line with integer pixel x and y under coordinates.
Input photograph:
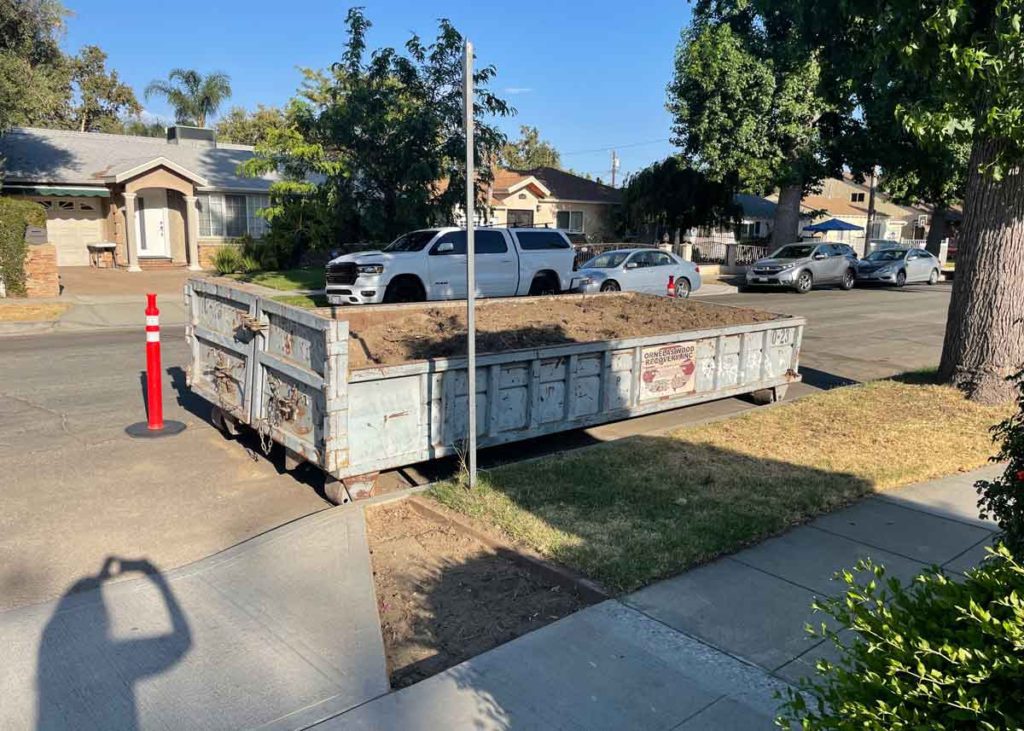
{"type": "Point", "coordinates": [71, 225]}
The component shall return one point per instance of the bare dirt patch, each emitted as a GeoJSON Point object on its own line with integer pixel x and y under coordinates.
{"type": "Point", "coordinates": [445, 596]}
{"type": "Point", "coordinates": [389, 336]}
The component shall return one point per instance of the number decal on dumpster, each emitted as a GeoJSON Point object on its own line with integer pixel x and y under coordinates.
{"type": "Point", "coordinates": [668, 370]}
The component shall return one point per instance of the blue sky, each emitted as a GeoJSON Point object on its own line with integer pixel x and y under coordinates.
{"type": "Point", "coordinates": [590, 75]}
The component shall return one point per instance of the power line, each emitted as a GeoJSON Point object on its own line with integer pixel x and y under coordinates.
{"type": "Point", "coordinates": [615, 147]}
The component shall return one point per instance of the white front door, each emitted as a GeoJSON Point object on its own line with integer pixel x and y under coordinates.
{"type": "Point", "coordinates": [151, 223]}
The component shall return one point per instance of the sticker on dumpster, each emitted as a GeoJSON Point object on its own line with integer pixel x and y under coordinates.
{"type": "Point", "coordinates": [668, 370]}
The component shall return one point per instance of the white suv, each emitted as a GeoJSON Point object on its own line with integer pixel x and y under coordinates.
{"type": "Point", "coordinates": [430, 264]}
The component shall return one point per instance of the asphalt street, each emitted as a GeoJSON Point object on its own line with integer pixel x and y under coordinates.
{"type": "Point", "coordinates": [75, 489]}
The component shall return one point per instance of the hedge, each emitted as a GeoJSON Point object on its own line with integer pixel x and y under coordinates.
{"type": "Point", "coordinates": [16, 215]}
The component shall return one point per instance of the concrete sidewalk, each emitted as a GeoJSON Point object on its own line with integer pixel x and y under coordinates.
{"type": "Point", "coordinates": [280, 632]}
{"type": "Point", "coordinates": [706, 650]}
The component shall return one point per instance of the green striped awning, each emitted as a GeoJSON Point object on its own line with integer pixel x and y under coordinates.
{"type": "Point", "coordinates": [64, 191]}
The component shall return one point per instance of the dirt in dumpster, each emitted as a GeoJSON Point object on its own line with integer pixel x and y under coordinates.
{"type": "Point", "coordinates": [434, 331]}
{"type": "Point", "coordinates": [445, 596]}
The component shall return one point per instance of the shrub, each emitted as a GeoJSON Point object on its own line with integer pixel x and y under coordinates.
{"type": "Point", "coordinates": [942, 654]}
{"type": "Point", "coordinates": [16, 215]}
{"type": "Point", "coordinates": [1003, 498]}
{"type": "Point", "coordinates": [248, 264]}
{"type": "Point", "coordinates": [227, 260]}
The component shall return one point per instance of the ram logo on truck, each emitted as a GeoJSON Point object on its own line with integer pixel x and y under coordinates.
{"type": "Point", "coordinates": [431, 265]}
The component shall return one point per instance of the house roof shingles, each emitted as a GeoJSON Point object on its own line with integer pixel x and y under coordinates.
{"type": "Point", "coordinates": [568, 187]}
{"type": "Point", "coordinates": [62, 157]}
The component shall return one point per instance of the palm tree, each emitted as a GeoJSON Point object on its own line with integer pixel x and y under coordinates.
{"type": "Point", "coordinates": [193, 96]}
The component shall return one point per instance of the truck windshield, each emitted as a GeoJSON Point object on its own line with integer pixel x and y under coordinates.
{"type": "Point", "coordinates": [607, 261]}
{"type": "Point", "coordinates": [414, 241]}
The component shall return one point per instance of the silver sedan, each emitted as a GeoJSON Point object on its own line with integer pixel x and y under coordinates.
{"type": "Point", "coordinates": [638, 270]}
{"type": "Point", "coordinates": [899, 266]}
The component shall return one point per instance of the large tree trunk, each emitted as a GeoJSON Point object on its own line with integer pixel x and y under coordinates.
{"type": "Point", "coordinates": [985, 331]}
{"type": "Point", "coordinates": [787, 216]}
{"type": "Point", "coordinates": [936, 230]}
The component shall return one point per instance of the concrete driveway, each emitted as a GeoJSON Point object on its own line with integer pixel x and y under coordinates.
{"type": "Point", "coordinates": [75, 489]}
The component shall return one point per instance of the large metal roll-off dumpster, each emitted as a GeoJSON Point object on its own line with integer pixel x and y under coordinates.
{"type": "Point", "coordinates": [360, 390]}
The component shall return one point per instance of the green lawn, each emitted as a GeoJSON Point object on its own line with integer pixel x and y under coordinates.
{"type": "Point", "coordinates": [287, 279]}
{"type": "Point", "coordinates": [645, 508]}
{"type": "Point", "coordinates": [308, 302]}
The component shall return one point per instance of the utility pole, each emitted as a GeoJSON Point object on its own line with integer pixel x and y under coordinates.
{"type": "Point", "coordinates": [470, 262]}
{"type": "Point", "coordinates": [615, 166]}
{"type": "Point", "coordinates": [871, 212]}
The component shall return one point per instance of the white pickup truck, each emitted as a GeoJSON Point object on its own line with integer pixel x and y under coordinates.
{"type": "Point", "coordinates": [431, 265]}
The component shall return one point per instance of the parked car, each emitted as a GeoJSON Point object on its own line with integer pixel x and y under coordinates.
{"type": "Point", "coordinates": [430, 264]}
{"type": "Point", "coordinates": [899, 266]}
{"type": "Point", "coordinates": [638, 270]}
{"type": "Point", "coordinates": [804, 266]}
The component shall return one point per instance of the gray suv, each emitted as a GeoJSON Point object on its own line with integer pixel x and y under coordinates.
{"type": "Point", "coordinates": [804, 266]}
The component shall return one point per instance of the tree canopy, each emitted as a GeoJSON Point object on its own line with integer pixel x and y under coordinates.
{"type": "Point", "coordinates": [672, 196]}
{"type": "Point", "coordinates": [99, 100]}
{"type": "Point", "coordinates": [374, 145]}
{"type": "Point", "coordinates": [529, 151]}
{"type": "Point", "coordinates": [243, 127]}
{"type": "Point", "coordinates": [195, 97]}
{"type": "Point", "coordinates": [745, 100]}
{"type": "Point", "coordinates": [34, 80]}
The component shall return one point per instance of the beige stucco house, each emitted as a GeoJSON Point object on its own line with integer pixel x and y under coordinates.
{"type": "Point", "coordinates": [154, 201]}
{"type": "Point", "coordinates": [547, 196]}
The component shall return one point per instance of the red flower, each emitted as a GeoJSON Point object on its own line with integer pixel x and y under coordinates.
{"type": "Point", "coordinates": [1020, 475]}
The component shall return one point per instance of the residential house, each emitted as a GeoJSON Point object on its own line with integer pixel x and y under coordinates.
{"type": "Point", "coordinates": [546, 196]}
{"type": "Point", "coordinates": [848, 200]}
{"type": "Point", "coordinates": [158, 201]}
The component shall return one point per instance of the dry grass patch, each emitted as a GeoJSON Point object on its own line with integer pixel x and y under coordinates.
{"type": "Point", "coordinates": [645, 508]}
{"type": "Point", "coordinates": [31, 311]}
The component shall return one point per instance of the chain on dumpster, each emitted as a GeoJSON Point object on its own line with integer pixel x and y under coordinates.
{"type": "Point", "coordinates": [279, 409]}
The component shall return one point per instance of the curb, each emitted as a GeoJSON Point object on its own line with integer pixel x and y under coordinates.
{"type": "Point", "coordinates": [13, 329]}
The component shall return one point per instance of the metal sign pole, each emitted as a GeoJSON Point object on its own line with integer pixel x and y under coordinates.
{"type": "Point", "coordinates": [470, 262]}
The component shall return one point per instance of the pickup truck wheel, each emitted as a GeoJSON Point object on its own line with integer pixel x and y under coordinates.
{"type": "Point", "coordinates": [543, 284]}
{"type": "Point", "coordinates": [611, 286]}
{"type": "Point", "coordinates": [403, 290]}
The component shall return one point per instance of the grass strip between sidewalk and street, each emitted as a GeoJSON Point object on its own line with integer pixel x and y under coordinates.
{"type": "Point", "coordinates": [287, 279]}
{"type": "Point", "coordinates": [648, 507]}
{"type": "Point", "coordinates": [31, 311]}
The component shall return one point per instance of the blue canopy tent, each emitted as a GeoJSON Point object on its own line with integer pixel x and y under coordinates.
{"type": "Point", "coordinates": [833, 224]}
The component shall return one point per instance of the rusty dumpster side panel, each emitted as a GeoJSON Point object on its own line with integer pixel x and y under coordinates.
{"type": "Point", "coordinates": [299, 394]}
{"type": "Point", "coordinates": [418, 411]}
{"type": "Point", "coordinates": [285, 372]}
{"type": "Point", "coordinates": [222, 344]}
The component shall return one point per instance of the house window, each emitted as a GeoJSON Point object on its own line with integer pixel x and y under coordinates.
{"type": "Point", "coordinates": [66, 205]}
{"type": "Point", "coordinates": [856, 197]}
{"type": "Point", "coordinates": [748, 230]}
{"type": "Point", "coordinates": [229, 215]}
{"type": "Point", "coordinates": [86, 207]}
{"type": "Point", "coordinates": [571, 221]}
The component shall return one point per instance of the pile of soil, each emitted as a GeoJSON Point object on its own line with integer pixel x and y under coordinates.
{"type": "Point", "coordinates": [444, 596]}
{"type": "Point", "coordinates": [390, 337]}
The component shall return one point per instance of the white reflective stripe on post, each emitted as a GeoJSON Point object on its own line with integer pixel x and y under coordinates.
{"type": "Point", "coordinates": [153, 320]}
{"type": "Point", "coordinates": [152, 336]}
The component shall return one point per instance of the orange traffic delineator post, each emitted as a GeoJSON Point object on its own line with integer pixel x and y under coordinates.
{"type": "Point", "coordinates": [154, 426]}
{"type": "Point", "coordinates": [671, 292]}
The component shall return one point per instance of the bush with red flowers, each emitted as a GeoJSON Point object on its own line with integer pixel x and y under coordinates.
{"type": "Point", "coordinates": [1002, 499]}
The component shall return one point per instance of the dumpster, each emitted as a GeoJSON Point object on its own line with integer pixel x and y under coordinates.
{"type": "Point", "coordinates": [302, 378]}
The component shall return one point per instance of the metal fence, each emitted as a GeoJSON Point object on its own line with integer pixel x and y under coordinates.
{"type": "Point", "coordinates": [747, 254]}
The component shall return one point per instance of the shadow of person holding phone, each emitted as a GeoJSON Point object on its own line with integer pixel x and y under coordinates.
{"type": "Point", "coordinates": [85, 677]}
